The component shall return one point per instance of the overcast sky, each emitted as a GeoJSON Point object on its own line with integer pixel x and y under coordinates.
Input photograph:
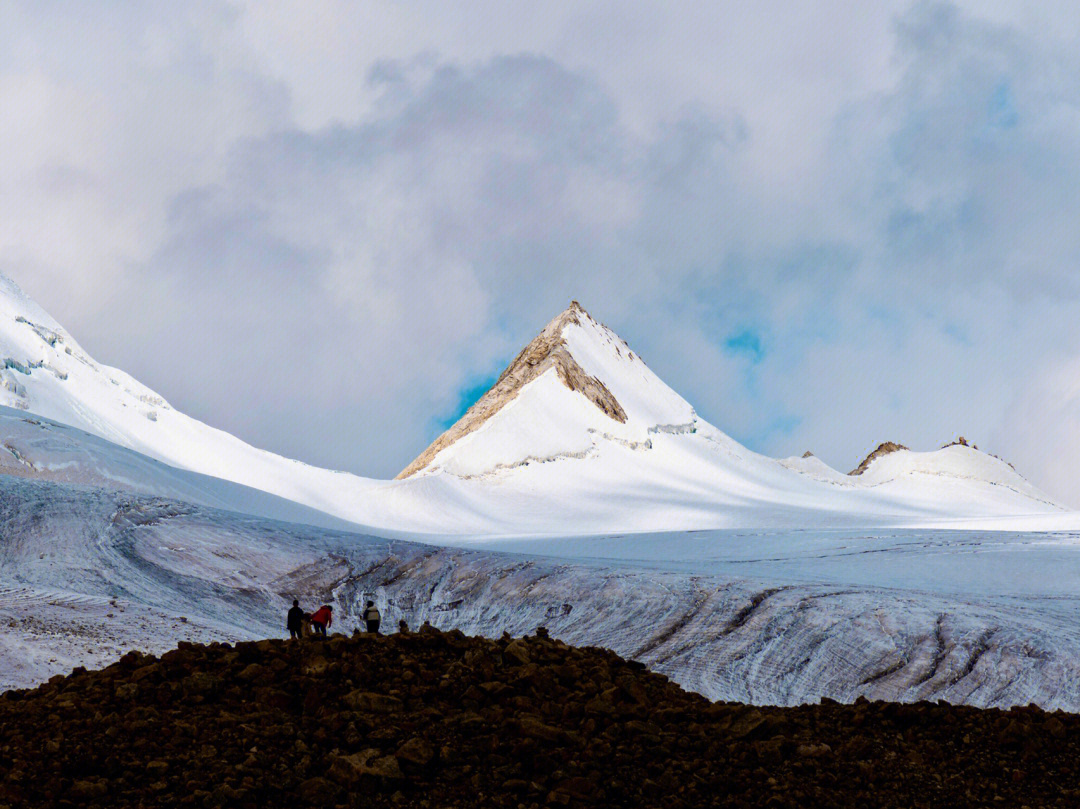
{"type": "Point", "coordinates": [322, 226]}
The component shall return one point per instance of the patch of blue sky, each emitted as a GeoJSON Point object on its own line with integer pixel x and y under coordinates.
{"type": "Point", "coordinates": [941, 231]}
{"type": "Point", "coordinates": [958, 333]}
{"type": "Point", "coordinates": [887, 316]}
{"type": "Point", "coordinates": [467, 397]}
{"type": "Point", "coordinates": [746, 343]}
{"type": "Point", "coordinates": [1001, 110]}
{"type": "Point", "coordinates": [783, 425]}
{"type": "Point", "coordinates": [764, 439]}
{"type": "Point", "coordinates": [739, 312]}
{"type": "Point", "coordinates": [997, 129]}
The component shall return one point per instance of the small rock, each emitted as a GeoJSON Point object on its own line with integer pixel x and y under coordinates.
{"type": "Point", "coordinates": [518, 651]}
{"type": "Point", "coordinates": [415, 751]}
{"type": "Point", "coordinates": [370, 702]}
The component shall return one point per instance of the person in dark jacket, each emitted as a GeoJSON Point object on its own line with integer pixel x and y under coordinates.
{"type": "Point", "coordinates": [372, 618]}
{"type": "Point", "coordinates": [295, 621]}
{"type": "Point", "coordinates": [322, 618]}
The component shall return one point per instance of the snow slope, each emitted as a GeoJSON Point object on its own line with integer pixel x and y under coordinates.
{"type": "Point", "coordinates": [812, 466]}
{"type": "Point", "coordinates": [34, 447]}
{"type": "Point", "coordinates": [577, 437]}
{"type": "Point", "coordinates": [45, 372]}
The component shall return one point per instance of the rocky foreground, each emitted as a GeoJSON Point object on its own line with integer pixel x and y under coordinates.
{"type": "Point", "coordinates": [436, 719]}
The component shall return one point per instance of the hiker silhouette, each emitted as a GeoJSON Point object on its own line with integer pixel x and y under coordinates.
{"type": "Point", "coordinates": [295, 622]}
{"type": "Point", "coordinates": [372, 618]}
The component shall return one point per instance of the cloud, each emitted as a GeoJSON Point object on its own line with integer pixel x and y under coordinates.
{"type": "Point", "coordinates": [319, 227]}
{"type": "Point", "coordinates": [363, 266]}
{"type": "Point", "coordinates": [110, 110]}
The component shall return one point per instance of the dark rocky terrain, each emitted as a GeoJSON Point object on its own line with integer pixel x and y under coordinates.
{"type": "Point", "coordinates": [435, 719]}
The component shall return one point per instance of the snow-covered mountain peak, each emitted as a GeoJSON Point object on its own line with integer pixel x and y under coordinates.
{"type": "Point", "coordinates": [43, 369]}
{"type": "Point", "coordinates": [45, 372]}
{"type": "Point", "coordinates": [957, 460]}
{"type": "Point", "coordinates": [15, 303]}
{"type": "Point", "coordinates": [575, 381]}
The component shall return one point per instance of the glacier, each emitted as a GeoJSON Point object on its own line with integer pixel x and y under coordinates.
{"type": "Point", "coordinates": [980, 618]}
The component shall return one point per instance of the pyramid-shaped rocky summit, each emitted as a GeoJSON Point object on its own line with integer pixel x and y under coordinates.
{"type": "Point", "coordinates": [589, 360]}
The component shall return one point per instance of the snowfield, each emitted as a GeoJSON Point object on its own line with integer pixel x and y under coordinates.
{"type": "Point", "coordinates": [580, 493]}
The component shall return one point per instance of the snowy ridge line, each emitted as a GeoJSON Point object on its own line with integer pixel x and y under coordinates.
{"type": "Point", "coordinates": [520, 464]}
{"type": "Point", "coordinates": [982, 481]}
{"type": "Point", "coordinates": [110, 404]}
{"type": "Point", "coordinates": [634, 445]}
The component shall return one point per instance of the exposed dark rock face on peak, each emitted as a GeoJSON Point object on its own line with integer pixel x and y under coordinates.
{"type": "Point", "coordinates": [435, 719]}
{"type": "Point", "coordinates": [882, 449]}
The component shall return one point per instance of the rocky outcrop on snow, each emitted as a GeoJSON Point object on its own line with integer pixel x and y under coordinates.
{"type": "Point", "coordinates": [432, 719]}
{"type": "Point", "coordinates": [883, 448]}
{"type": "Point", "coordinates": [962, 442]}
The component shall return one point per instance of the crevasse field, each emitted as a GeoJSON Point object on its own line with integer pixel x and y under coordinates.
{"type": "Point", "coordinates": [580, 493]}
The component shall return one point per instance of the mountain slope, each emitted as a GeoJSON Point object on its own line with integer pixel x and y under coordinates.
{"type": "Point", "coordinates": [575, 384]}
{"type": "Point", "coordinates": [578, 436]}
{"type": "Point", "coordinates": [579, 431]}
{"type": "Point", "coordinates": [578, 455]}
{"type": "Point", "coordinates": [35, 447]}
{"type": "Point", "coordinates": [45, 372]}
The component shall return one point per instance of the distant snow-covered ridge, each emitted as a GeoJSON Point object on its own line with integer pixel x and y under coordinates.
{"type": "Point", "coordinates": [578, 436]}
{"type": "Point", "coordinates": [47, 373]}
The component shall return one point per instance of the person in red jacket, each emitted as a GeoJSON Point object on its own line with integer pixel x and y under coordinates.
{"type": "Point", "coordinates": [322, 618]}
